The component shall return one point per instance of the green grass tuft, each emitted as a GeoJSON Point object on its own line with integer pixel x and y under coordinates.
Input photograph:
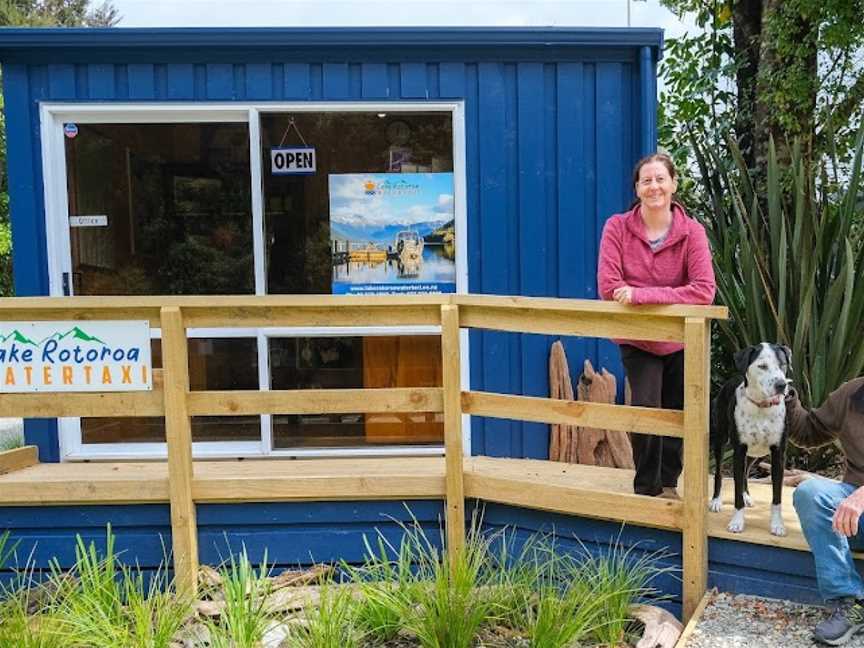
{"type": "Point", "coordinates": [11, 442]}
{"type": "Point", "coordinates": [246, 618]}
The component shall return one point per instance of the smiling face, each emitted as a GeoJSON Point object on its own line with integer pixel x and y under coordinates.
{"type": "Point", "coordinates": [655, 186]}
{"type": "Point", "coordinates": [765, 367]}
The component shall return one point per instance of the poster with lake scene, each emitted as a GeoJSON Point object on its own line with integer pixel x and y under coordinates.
{"type": "Point", "coordinates": [392, 233]}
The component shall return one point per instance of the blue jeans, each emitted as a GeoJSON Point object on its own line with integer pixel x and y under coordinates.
{"type": "Point", "coordinates": [815, 501]}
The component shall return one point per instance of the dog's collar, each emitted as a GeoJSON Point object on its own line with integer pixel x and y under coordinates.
{"type": "Point", "coordinates": [771, 402]}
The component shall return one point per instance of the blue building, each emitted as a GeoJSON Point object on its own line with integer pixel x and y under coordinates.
{"type": "Point", "coordinates": [150, 132]}
{"type": "Point", "coordinates": [143, 161]}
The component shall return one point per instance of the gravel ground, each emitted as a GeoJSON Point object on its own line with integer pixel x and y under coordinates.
{"type": "Point", "coordinates": [741, 621]}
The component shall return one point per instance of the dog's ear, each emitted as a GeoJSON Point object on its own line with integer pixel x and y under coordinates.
{"type": "Point", "coordinates": [744, 357]}
{"type": "Point", "coordinates": [788, 353]}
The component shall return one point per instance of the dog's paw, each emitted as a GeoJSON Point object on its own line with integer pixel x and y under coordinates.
{"type": "Point", "coordinates": [748, 501]}
{"type": "Point", "coordinates": [736, 524]}
{"type": "Point", "coordinates": [715, 504]}
{"type": "Point", "coordinates": [777, 526]}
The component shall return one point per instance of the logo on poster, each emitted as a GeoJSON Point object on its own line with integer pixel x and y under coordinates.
{"type": "Point", "coordinates": [390, 188]}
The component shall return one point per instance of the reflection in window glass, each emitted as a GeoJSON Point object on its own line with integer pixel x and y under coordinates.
{"type": "Point", "coordinates": [174, 208]}
{"type": "Point", "coordinates": [214, 363]}
{"type": "Point", "coordinates": [353, 363]}
{"type": "Point", "coordinates": [297, 207]}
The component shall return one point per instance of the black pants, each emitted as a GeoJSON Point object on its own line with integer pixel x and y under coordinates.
{"type": "Point", "coordinates": [655, 381]}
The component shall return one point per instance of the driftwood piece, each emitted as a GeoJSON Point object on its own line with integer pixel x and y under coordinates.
{"type": "Point", "coordinates": [662, 630]}
{"type": "Point", "coordinates": [584, 445]}
{"type": "Point", "coordinates": [601, 447]}
{"type": "Point", "coordinates": [290, 578]}
{"type": "Point", "coordinates": [593, 387]}
{"type": "Point", "coordinates": [209, 578]}
{"type": "Point", "coordinates": [560, 387]}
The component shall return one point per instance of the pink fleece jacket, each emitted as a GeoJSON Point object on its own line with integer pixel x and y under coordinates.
{"type": "Point", "coordinates": [678, 272]}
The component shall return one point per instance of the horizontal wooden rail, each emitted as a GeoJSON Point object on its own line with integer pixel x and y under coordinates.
{"type": "Point", "coordinates": [573, 500]}
{"type": "Point", "coordinates": [321, 479]}
{"type": "Point", "coordinates": [315, 401]}
{"type": "Point", "coordinates": [277, 316]}
{"type": "Point", "coordinates": [120, 404]}
{"type": "Point", "coordinates": [18, 458]}
{"type": "Point", "coordinates": [553, 322]}
{"type": "Point", "coordinates": [262, 307]}
{"type": "Point", "coordinates": [623, 418]}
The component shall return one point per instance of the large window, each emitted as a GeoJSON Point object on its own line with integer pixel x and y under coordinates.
{"type": "Point", "coordinates": [160, 209]}
{"type": "Point", "coordinates": [171, 207]}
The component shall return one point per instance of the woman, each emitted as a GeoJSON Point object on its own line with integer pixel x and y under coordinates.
{"type": "Point", "coordinates": [655, 254]}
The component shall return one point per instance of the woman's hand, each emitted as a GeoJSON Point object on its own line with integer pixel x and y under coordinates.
{"type": "Point", "coordinates": [623, 295]}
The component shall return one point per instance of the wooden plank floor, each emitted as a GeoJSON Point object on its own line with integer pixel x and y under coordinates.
{"type": "Point", "coordinates": [566, 488]}
{"type": "Point", "coordinates": [228, 481]}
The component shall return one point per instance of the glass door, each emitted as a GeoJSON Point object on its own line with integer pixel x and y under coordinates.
{"type": "Point", "coordinates": [165, 209]}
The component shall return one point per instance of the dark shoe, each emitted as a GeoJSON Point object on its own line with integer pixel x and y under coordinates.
{"type": "Point", "coordinates": [846, 620]}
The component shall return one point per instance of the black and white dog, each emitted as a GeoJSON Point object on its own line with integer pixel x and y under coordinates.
{"type": "Point", "coordinates": [750, 413]}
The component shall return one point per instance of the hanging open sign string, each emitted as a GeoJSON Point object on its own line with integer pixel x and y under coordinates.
{"type": "Point", "coordinates": [292, 124]}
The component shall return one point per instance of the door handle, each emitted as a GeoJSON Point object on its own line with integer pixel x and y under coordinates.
{"type": "Point", "coordinates": [66, 292]}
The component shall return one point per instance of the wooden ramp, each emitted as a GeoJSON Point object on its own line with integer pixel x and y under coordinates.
{"type": "Point", "coordinates": [589, 491]}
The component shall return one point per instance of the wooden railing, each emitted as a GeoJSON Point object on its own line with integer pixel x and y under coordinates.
{"type": "Point", "coordinates": [174, 400]}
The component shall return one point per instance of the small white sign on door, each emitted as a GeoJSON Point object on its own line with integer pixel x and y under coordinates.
{"type": "Point", "coordinates": [88, 221]}
{"type": "Point", "coordinates": [75, 357]}
{"type": "Point", "coordinates": [292, 161]}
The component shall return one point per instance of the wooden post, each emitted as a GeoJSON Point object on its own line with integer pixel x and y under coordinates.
{"type": "Point", "coordinates": [178, 430]}
{"type": "Point", "coordinates": [697, 368]}
{"type": "Point", "coordinates": [451, 376]}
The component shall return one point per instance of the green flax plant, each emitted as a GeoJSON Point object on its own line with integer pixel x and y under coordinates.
{"type": "Point", "coordinates": [561, 607]}
{"type": "Point", "coordinates": [7, 549]}
{"type": "Point", "coordinates": [788, 252]}
{"type": "Point", "coordinates": [11, 442]}
{"type": "Point", "coordinates": [414, 589]}
{"type": "Point", "coordinates": [386, 588]}
{"type": "Point", "coordinates": [453, 601]}
{"type": "Point", "coordinates": [556, 598]}
{"type": "Point", "coordinates": [245, 618]}
{"type": "Point", "coordinates": [616, 579]}
{"type": "Point", "coordinates": [102, 603]}
{"type": "Point", "coordinates": [333, 623]}
{"type": "Point", "coordinates": [27, 605]}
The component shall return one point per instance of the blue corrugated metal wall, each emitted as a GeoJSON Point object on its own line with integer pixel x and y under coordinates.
{"type": "Point", "coordinates": [550, 142]}
{"type": "Point", "coordinates": [290, 534]}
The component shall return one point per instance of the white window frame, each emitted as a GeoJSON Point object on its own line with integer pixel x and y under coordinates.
{"type": "Point", "coordinates": [52, 118]}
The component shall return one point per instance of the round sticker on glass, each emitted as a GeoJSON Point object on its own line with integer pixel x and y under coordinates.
{"type": "Point", "coordinates": [70, 130]}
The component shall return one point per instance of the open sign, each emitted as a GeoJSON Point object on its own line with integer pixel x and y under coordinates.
{"type": "Point", "coordinates": [292, 161]}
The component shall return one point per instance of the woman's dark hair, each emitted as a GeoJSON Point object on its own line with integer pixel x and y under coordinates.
{"type": "Point", "coordinates": [666, 161]}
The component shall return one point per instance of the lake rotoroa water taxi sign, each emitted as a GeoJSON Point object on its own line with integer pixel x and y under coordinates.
{"type": "Point", "coordinates": [75, 356]}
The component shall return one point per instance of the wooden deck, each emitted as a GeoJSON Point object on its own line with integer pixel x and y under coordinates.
{"type": "Point", "coordinates": [565, 488]}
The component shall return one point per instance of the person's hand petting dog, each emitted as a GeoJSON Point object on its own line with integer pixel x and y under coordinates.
{"type": "Point", "coordinates": [623, 295]}
{"type": "Point", "coordinates": [848, 514]}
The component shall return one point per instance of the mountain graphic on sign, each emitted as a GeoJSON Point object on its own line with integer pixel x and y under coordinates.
{"type": "Point", "coordinates": [75, 333]}
{"type": "Point", "coordinates": [17, 336]}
